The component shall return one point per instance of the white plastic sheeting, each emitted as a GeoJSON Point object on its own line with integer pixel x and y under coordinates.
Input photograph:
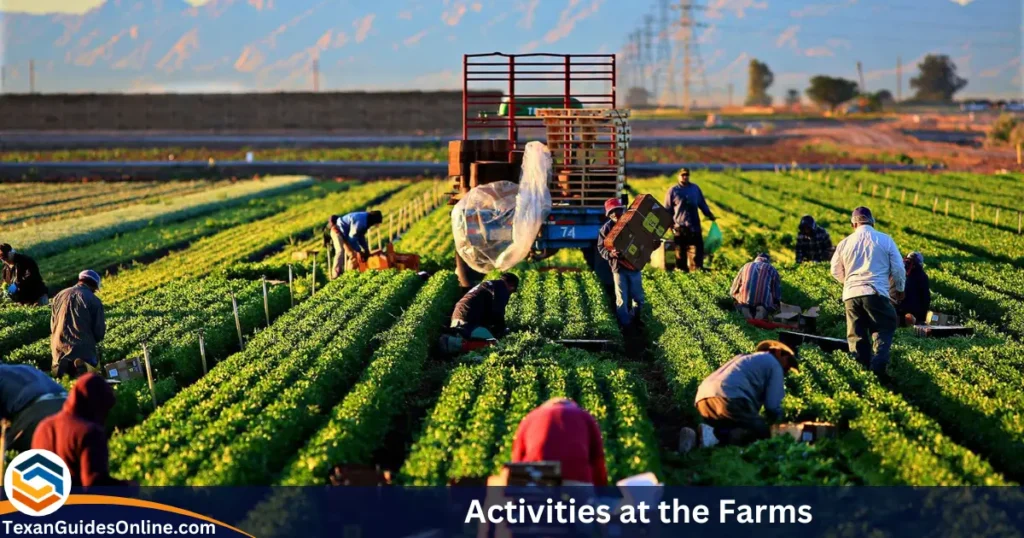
{"type": "Point", "coordinates": [495, 224]}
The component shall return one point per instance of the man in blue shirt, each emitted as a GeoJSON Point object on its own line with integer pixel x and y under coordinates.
{"type": "Point", "coordinates": [27, 396]}
{"type": "Point", "coordinates": [629, 286]}
{"type": "Point", "coordinates": [348, 235]}
{"type": "Point", "coordinates": [686, 201]}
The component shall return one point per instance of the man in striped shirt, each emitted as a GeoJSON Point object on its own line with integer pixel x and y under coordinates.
{"type": "Point", "coordinates": [757, 289]}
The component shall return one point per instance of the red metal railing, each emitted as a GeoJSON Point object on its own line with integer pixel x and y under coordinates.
{"type": "Point", "coordinates": [528, 76]}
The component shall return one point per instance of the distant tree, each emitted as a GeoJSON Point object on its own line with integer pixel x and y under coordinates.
{"type": "Point", "coordinates": [937, 80]}
{"type": "Point", "coordinates": [792, 97]}
{"type": "Point", "coordinates": [831, 91]}
{"type": "Point", "coordinates": [884, 97]}
{"type": "Point", "coordinates": [637, 97]}
{"type": "Point", "coordinates": [761, 78]}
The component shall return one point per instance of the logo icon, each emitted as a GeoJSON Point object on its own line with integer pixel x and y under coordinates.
{"type": "Point", "coordinates": [37, 482]}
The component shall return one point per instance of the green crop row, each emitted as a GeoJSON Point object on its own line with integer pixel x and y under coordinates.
{"type": "Point", "coordinates": [564, 305]}
{"type": "Point", "coordinates": [249, 242]}
{"type": "Point", "coordinates": [888, 442]}
{"type": "Point", "coordinates": [142, 449]}
{"type": "Point", "coordinates": [21, 324]}
{"type": "Point", "coordinates": [90, 198]}
{"type": "Point", "coordinates": [431, 238]}
{"type": "Point", "coordinates": [358, 425]}
{"type": "Point", "coordinates": [243, 443]}
{"type": "Point", "coordinates": [469, 433]}
{"type": "Point", "coordinates": [49, 238]}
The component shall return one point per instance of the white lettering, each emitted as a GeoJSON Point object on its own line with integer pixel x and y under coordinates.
{"type": "Point", "coordinates": [805, 514]}
{"type": "Point", "coordinates": [725, 507]}
{"type": "Point", "coordinates": [475, 511]}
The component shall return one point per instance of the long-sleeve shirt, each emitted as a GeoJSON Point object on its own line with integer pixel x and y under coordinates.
{"type": "Point", "coordinates": [758, 284]}
{"type": "Point", "coordinates": [353, 228]}
{"type": "Point", "coordinates": [25, 274]}
{"type": "Point", "coordinates": [757, 377]}
{"type": "Point", "coordinates": [613, 262]}
{"type": "Point", "coordinates": [77, 434]}
{"type": "Point", "coordinates": [865, 261]}
{"type": "Point", "coordinates": [77, 324]}
{"type": "Point", "coordinates": [20, 385]}
{"type": "Point", "coordinates": [563, 432]}
{"type": "Point", "coordinates": [684, 201]}
{"type": "Point", "coordinates": [484, 306]}
{"type": "Point", "coordinates": [816, 247]}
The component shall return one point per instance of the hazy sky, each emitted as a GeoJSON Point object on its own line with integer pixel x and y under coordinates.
{"type": "Point", "coordinates": [266, 45]}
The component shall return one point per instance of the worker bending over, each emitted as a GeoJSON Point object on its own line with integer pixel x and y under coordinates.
{"type": "Point", "coordinates": [867, 263]}
{"type": "Point", "coordinates": [917, 295]}
{"type": "Point", "coordinates": [77, 433]}
{"type": "Point", "coordinates": [480, 314]}
{"type": "Point", "coordinates": [813, 244]}
{"type": "Point", "coordinates": [629, 285]}
{"type": "Point", "coordinates": [22, 280]}
{"type": "Point", "coordinates": [686, 201]}
{"type": "Point", "coordinates": [559, 430]}
{"type": "Point", "coordinates": [27, 396]}
{"type": "Point", "coordinates": [348, 235]}
{"type": "Point", "coordinates": [77, 325]}
{"type": "Point", "coordinates": [731, 398]}
{"type": "Point", "coordinates": [757, 288]}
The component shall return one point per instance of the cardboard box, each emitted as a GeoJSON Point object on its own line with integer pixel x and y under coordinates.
{"type": "Point", "coordinates": [805, 320]}
{"type": "Point", "coordinates": [931, 331]}
{"type": "Point", "coordinates": [484, 172]}
{"type": "Point", "coordinates": [639, 231]}
{"type": "Point", "coordinates": [805, 432]}
{"type": "Point", "coordinates": [940, 319]}
{"type": "Point", "coordinates": [125, 370]}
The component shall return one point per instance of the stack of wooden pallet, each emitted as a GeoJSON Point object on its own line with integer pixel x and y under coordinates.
{"type": "Point", "coordinates": [588, 148]}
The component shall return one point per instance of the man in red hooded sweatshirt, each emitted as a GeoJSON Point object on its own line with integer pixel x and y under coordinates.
{"type": "Point", "coordinates": [77, 433]}
{"type": "Point", "coordinates": [559, 430]}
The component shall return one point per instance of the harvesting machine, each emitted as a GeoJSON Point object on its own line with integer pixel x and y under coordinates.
{"type": "Point", "coordinates": [566, 100]}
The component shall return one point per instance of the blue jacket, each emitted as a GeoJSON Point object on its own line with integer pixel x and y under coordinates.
{"type": "Point", "coordinates": [353, 228]}
{"type": "Point", "coordinates": [20, 385]}
{"type": "Point", "coordinates": [684, 201]}
{"type": "Point", "coordinates": [605, 253]}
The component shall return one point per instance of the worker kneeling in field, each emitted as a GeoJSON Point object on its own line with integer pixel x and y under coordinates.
{"type": "Point", "coordinates": [348, 235]}
{"type": "Point", "coordinates": [629, 284]}
{"type": "Point", "coordinates": [917, 295]}
{"type": "Point", "coordinates": [22, 281]}
{"type": "Point", "coordinates": [27, 396]}
{"type": "Point", "coordinates": [684, 200]}
{"type": "Point", "coordinates": [813, 243]}
{"type": "Point", "coordinates": [480, 314]}
{"type": "Point", "coordinates": [77, 325]}
{"type": "Point", "coordinates": [730, 399]}
{"type": "Point", "coordinates": [560, 430]}
{"type": "Point", "coordinates": [77, 433]}
{"type": "Point", "coordinates": [867, 263]}
{"type": "Point", "coordinates": [757, 288]}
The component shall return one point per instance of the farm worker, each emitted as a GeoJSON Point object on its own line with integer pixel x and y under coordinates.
{"type": "Point", "coordinates": [757, 288]}
{"type": "Point", "coordinates": [629, 285]}
{"type": "Point", "coordinates": [865, 262]}
{"type": "Point", "coordinates": [731, 398]}
{"type": "Point", "coordinates": [27, 396]}
{"type": "Point", "coordinates": [77, 325]}
{"type": "Point", "coordinates": [348, 234]}
{"type": "Point", "coordinates": [480, 314]}
{"type": "Point", "coordinates": [22, 280]}
{"type": "Point", "coordinates": [560, 430]}
{"type": "Point", "coordinates": [813, 244]}
{"type": "Point", "coordinates": [917, 296]}
{"type": "Point", "coordinates": [684, 200]}
{"type": "Point", "coordinates": [77, 433]}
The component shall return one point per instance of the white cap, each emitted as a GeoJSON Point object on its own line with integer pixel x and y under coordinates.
{"type": "Point", "coordinates": [89, 274]}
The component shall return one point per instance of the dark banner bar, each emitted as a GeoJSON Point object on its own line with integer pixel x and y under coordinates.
{"type": "Point", "coordinates": [357, 512]}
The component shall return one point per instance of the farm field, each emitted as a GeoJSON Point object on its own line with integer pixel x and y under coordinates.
{"type": "Point", "coordinates": [349, 373]}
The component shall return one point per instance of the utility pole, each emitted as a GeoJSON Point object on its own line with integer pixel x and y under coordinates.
{"type": "Point", "coordinates": [638, 61]}
{"type": "Point", "coordinates": [899, 79]}
{"type": "Point", "coordinates": [688, 37]}
{"type": "Point", "coordinates": [664, 54]}
{"type": "Point", "coordinates": [31, 76]}
{"type": "Point", "coordinates": [316, 75]}
{"type": "Point", "coordinates": [730, 95]}
{"type": "Point", "coordinates": [648, 62]}
{"type": "Point", "coordinates": [860, 76]}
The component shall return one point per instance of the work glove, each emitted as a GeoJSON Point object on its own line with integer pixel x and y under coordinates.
{"type": "Point", "coordinates": [12, 289]}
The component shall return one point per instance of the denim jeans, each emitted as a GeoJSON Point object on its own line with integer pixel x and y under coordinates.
{"type": "Point", "coordinates": [870, 325]}
{"type": "Point", "coordinates": [629, 291]}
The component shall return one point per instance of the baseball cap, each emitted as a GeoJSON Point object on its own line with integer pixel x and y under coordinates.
{"type": "Point", "coordinates": [89, 274]}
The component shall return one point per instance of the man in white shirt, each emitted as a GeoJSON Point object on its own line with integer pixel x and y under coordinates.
{"type": "Point", "coordinates": [864, 262]}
